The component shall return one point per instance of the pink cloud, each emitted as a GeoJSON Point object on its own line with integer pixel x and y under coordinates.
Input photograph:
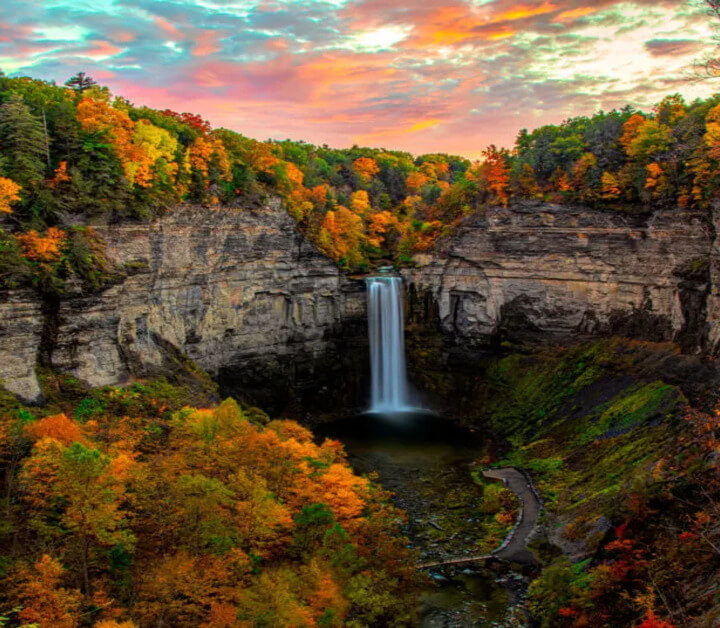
{"type": "Point", "coordinates": [168, 29]}
{"type": "Point", "coordinates": [206, 43]}
{"type": "Point", "coordinates": [101, 49]}
{"type": "Point", "coordinates": [123, 37]}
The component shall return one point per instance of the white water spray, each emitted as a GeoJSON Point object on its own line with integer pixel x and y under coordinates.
{"type": "Point", "coordinates": [389, 390]}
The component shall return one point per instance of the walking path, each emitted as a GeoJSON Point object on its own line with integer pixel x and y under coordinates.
{"type": "Point", "coordinates": [514, 548]}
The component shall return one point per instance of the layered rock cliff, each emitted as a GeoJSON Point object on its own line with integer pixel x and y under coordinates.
{"type": "Point", "coordinates": [243, 294]}
{"type": "Point", "coordinates": [535, 270]}
{"type": "Point", "coordinates": [240, 292]}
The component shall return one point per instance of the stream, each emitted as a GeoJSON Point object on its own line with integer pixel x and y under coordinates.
{"type": "Point", "coordinates": [427, 463]}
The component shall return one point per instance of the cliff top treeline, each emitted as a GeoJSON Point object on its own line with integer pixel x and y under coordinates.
{"type": "Point", "coordinates": [74, 155]}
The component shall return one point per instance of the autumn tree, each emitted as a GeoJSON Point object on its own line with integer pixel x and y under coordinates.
{"type": "Point", "coordinates": [89, 485]}
{"type": "Point", "coordinates": [366, 168]}
{"type": "Point", "coordinates": [341, 236]}
{"type": "Point", "coordinates": [610, 187]}
{"type": "Point", "coordinates": [524, 182]}
{"type": "Point", "coordinates": [586, 177]}
{"type": "Point", "coordinates": [9, 194]}
{"type": "Point", "coordinates": [379, 226]}
{"type": "Point", "coordinates": [42, 248]}
{"type": "Point", "coordinates": [359, 202]}
{"type": "Point", "coordinates": [495, 173]}
{"type": "Point", "coordinates": [45, 602]}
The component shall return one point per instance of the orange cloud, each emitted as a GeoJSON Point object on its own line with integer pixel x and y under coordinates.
{"type": "Point", "coordinates": [524, 11]}
{"type": "Point", "coordinates": [574, 14]}
{"type": "Point", "coordinates": [424, 124]}
{"type": "Point", "coordinates": [449, 25]}
{"type": "Point", "coordinates": [329, 73]}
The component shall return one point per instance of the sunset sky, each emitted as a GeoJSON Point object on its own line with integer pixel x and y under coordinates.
{"type": "Point", "coordinates": [424, 76]}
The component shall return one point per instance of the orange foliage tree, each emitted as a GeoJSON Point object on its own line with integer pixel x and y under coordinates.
{"type": "Point", "coordinates": [9, 194]}
{"type": "Point", "coordinates": [44, 601]}
{"type": "Point", "coordinates": [341, 235]}
{"type": "Point", "coordinates": [366, 168]}
{"type": "Point", "coordinates": [42, 248]}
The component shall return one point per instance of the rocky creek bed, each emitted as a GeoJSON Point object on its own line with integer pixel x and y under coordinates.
{"type": "Point", "coordinates": [432, 471]}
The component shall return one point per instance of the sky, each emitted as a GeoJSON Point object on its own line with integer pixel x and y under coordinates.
{"type": "Point", "coordinates": [425, 76]}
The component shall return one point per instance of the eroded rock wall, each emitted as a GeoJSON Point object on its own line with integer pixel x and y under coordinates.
{"type": "Point", "coordinates": [545, 271]}
{"type": "Point", "coordinates": [243, 294]}
{"type": "Point", "coordinates": [234, 290]}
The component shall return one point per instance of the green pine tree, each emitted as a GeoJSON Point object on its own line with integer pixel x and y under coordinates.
{"type": "Point", "coordinates": [23, 142]}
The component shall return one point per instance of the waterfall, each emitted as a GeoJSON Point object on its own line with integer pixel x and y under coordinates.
{"type": "Point", "coordinates": [387, 345]}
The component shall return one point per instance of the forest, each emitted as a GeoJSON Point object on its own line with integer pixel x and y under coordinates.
{"type": "Point", "coordinates": [74, 155]}
{"type": "Point", "coordinates": [128, 507]}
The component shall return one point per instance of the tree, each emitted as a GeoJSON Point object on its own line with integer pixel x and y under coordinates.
{"type": "Point", "coordinates": [610, 187]}
{"type": "Point", "coordinates": [709, 65]}
{"type": "Point", "coordinates": [366, 168]}
{"type": "Point", "coordinates": [46, 603]}
{"type": "Point", "coordinates": [524, 181]}
{"type": "Point", "coordinates": [650, 138]}
{"type": "Point", "coordinates": [23, 142]}
{"type": "Point", "coordinates": [341, 235]}
{"type": "Point", "coordinates": [497, 174]}
{"type": "Point", "coordinates": [80, 82]}
{"type": "Point", "coordinates": [630, 129]}
{"type": "Point", "coordinates": [9, 194]}
{"type": "Point", "coordinates": [415, 180]}
{"type": "Point", "coordinates": [90, 487]}
{"type": "Point", "coordinates": [42, 248]}
{"type": "Point", "coordinates": [58, 427]}
{"type": "Point", "coordinates": [359, 202]}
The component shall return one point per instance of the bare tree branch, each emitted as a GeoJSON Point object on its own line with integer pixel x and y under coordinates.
{"type": "Point", "coordinates": [709, 65]}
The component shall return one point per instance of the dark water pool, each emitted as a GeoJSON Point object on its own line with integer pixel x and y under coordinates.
{"type": "Point", "coordinates": [427, 463]}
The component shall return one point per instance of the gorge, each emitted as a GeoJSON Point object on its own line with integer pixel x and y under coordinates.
{"type": "Point", "coordinates": [250, 383]}
{"type": "Point", "coordinates": [241, 291]}
{"type": "Point", "coordinates": [248, 299]}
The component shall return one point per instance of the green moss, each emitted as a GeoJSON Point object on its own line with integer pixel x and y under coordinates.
{"type": "Point", "coordinates": [589, 422]}
{"type": "Point", "coordinates": [637, 405]}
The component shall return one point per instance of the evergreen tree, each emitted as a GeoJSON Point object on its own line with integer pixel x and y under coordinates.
{"type": "Point", "coordinates": [80, 82]}
{"type": "Point", "coordinates": [23, 143]}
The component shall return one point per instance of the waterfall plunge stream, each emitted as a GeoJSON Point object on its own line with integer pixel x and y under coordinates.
{"type": "Point", "coordinates": [389, 390]}
{"type": "Point", "coordinates": [427, 464]}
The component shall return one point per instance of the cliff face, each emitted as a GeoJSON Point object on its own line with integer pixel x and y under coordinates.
{"type": "Point", "coordinates": [237, 291]}
{"type": "Point", "coordinates": [533, 271]}
{"type": "Point", "coordinates": [244, 295]}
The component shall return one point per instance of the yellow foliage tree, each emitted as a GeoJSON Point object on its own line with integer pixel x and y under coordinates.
{"type": "Point", "coordinates": [341, 235]}
{"type": "Point", "coordinates": [610, 187]}
{"type": "Point", "coordinates": [359, 202]}
{"type": "Point", "coordinates": [138, 145]}
{"type": "Point", "coordinates": [156, 147]}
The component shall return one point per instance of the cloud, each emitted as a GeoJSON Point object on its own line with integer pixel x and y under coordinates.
{"type": "Point", "coordinates": [436, 75]}
{"type": "Point", "coordinates": [662, 47]}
